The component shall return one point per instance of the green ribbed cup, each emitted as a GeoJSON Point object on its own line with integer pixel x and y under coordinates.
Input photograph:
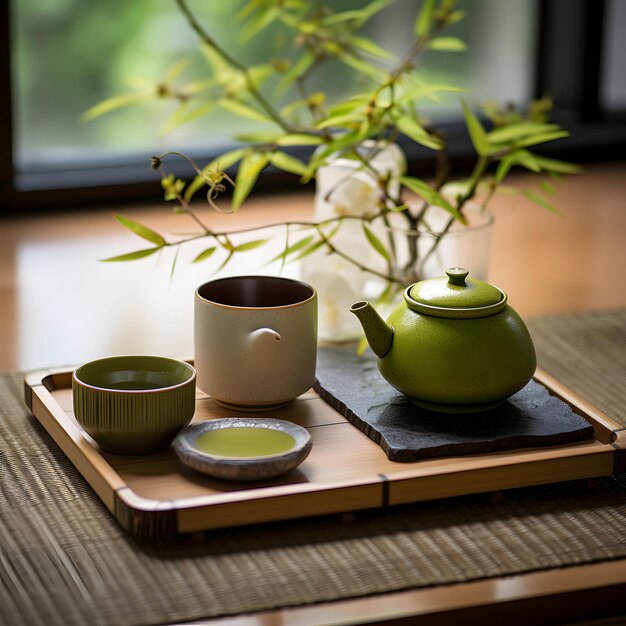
{"type": "Point", "coordinates": [134, 404]}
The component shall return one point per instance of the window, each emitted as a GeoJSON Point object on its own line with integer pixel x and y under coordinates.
{"type": "Point", "coordinates": [613, 87]}
{"type": "Point", "coordinates": [65, 55]}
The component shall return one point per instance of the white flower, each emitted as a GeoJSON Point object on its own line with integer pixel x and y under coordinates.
{"type": "Point", "coordinates": [336, 292]}
{"type": "Point", "coordinates": [357, 196]}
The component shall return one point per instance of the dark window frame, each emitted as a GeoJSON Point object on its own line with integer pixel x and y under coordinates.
{"type": "Point", "coordinates": [568, 66]}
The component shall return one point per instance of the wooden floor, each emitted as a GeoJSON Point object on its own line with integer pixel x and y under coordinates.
{"type": "Point", "coordinates": [60, 306]}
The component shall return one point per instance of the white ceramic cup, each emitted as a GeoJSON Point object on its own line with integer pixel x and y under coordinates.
{"type": "Point", "coordinates": [255, 340]}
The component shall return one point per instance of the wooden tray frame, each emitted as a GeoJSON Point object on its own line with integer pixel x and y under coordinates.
{"type": "Point", "coordinates": [154, 495]}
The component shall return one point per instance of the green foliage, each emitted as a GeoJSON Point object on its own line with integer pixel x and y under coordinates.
{"type": "Point", "coordinates": [432, 196]}
{"type": "Point", "coordinates": [249, 170]}
{"type": "Point", "coordinates": [141, 230]}
{"type": "Point", "coordinates": [385, 106]}
{"type": "Point", "coordinates": [477, 133]}
{"type": "Point", "coordinates": [132, 256]}
{"type": "Point", "coordinates": [376, 243]}
{"type": "Point", "coordinates": [447, 44]}
{"type": "Point", "coordinates": [205, 254]}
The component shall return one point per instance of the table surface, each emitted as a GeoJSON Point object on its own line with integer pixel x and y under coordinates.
{"type": "Point", "coordinates": [59, 306]}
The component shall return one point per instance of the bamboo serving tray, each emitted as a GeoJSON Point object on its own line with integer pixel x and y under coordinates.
{"type": "Point", "coordinates": [154, 495]}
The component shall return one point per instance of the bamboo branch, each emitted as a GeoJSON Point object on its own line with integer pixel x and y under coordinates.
{"type": "Point", "coordinates": [257, 95]}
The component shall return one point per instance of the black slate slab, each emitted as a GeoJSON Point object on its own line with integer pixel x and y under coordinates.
{"type": "Point", "coordinates": [531, 418]}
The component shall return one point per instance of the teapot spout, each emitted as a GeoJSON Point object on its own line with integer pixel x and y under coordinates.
{"type": "Point", "coordinates": [378, 333]}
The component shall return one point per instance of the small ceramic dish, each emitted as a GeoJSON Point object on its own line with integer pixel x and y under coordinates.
{"type": "Point", "coordinates": [134, 404]}
{"type": "Point", "coordinates": [244, 449]}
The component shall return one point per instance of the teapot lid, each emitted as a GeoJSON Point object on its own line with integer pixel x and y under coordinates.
{"type": "Point", "coordinates": [455, 296]}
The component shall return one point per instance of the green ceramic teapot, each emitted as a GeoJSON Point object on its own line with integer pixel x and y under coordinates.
{"type": "Point", "coordinates": [453, 345]}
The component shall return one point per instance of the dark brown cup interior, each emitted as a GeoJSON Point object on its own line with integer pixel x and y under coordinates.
{"type": "Point", "coordinates": [256, 291]}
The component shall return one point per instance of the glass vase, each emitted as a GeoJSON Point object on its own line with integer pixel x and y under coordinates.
{"type": "Point", "coordinates": [344, 188]}
{"type": "Point", "coordinates": [440, 242]}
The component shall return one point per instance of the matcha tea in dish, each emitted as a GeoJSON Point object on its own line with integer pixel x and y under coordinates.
{"type": "Point", "coordinates": [245, 442]}
{"type": "Point", "coordinates": [243, 449]}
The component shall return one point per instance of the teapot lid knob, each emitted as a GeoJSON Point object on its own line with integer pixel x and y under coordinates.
{"type": "Point", "coordinates": [457, 276]}
{"type": "Point", "coordinates": [458, 296]}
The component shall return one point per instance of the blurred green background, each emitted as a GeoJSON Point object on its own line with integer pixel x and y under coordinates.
{"type": "Point", "coordinates": [70, 54]}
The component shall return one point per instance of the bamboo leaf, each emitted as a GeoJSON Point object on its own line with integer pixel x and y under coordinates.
{"type": "Point", "coordinates": [399, 208]}
{"type": "Point", "coordinates": [376, 243]}
{"type": "Point", "coordinates": [214, 60]}
{"type": "Point", "coordinates": [333, 232]}
{"type": "Point", "coordinates": [476, 132]}
{"type": "Point", "coordinates": [224, 161]}
{"type": "Point", "coordinates": [249, 170]}
{"type": "Point", "coordinates": [358, 15]}
{"type": "Point", "coordinates": [260, 73]}
{"type": "Point", "coordinates": [447, 44]}
{"type": "Point", "coordinates": [519, 130]}
{"type": "Point", "coordinates": [372, 8]}
{"type": "Point", "coordinates": [176, 70]}
{"type": "Point", "coordinates": [547, 187]}
{"type": "Point", "coordinates": [541, 201]}
{"type": "Point", "coordinates": [308, 27]}
{"type": "Point", "coordinates": [424, 18]}
{"type": "Point", "coordinates": [370, 47]}
{"type": "Point", "coordinates": [247, 9]}
{"type": "Point", "coordinates": [259, 136]}
{"type": "Point", "coordinates": [243, 110]}
{"type": "Point", "coordinates": [298, 69]}
{"type": "Point", "coordinates": [174, 262]}
{"type": "Point", "coordinates": [455, 17]}
{"type": "Point", "coordinates": [293, 248]}
{"type": "Point", "coordinates": [417, 133]}
{"type": "Point", "coordinates": [293, 106]}
{"type": "Point", "coordinates": [528, 160]}
{"type": "Point", "coordinates": [250, 245]}
{"type": "Point", "coordinates": [556, 166]}
{"type": "Point", "coordinates": [532, 141]}
{"type": "Point", "coordinates": [344, 16]}
{"type": "Point", "coordinates": [517, 157]}
{"type": "Point", "coordinates": [432, 196]}
{"type": "Point", "coordinates": [352, 138]}
{"type": "Point", "coordinates": [139, 83]}
{"type": "Point", "coordinates": [316, 245]}
{"type": "Point", "coordinates": [198, 86]}
{"type": "Point", "coordinates": [116, 102]}
{"type": "Point", "coordinates": [205, 254]}
{"type": "Point", "coordinates": [358, 64]}
{"type": "Point", "coordinates": [288, 163]}
{"type": "Point", "coordinates": [184, 115]}
{"type": "Point", "coordinates": [507, 190]}
{"type": "Point", "coordinates": [349, 105]}
{"type": "Point", "coordinates": [427, 91]}
{"type": "Point", "coordinates": [504, 167]}
{"type": "Point", "coordinates": [260, 22]}
{"type": "Point", "coordinates": [131, 256]}
{"type": "Point", "coordinates": [297, 139]}
{"type": "Point", "coordinates": [385, 98]}
{"type": "Point", "coordinates": [141, 230]}
{"type": "Point", "coordinates": [341, 120]}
